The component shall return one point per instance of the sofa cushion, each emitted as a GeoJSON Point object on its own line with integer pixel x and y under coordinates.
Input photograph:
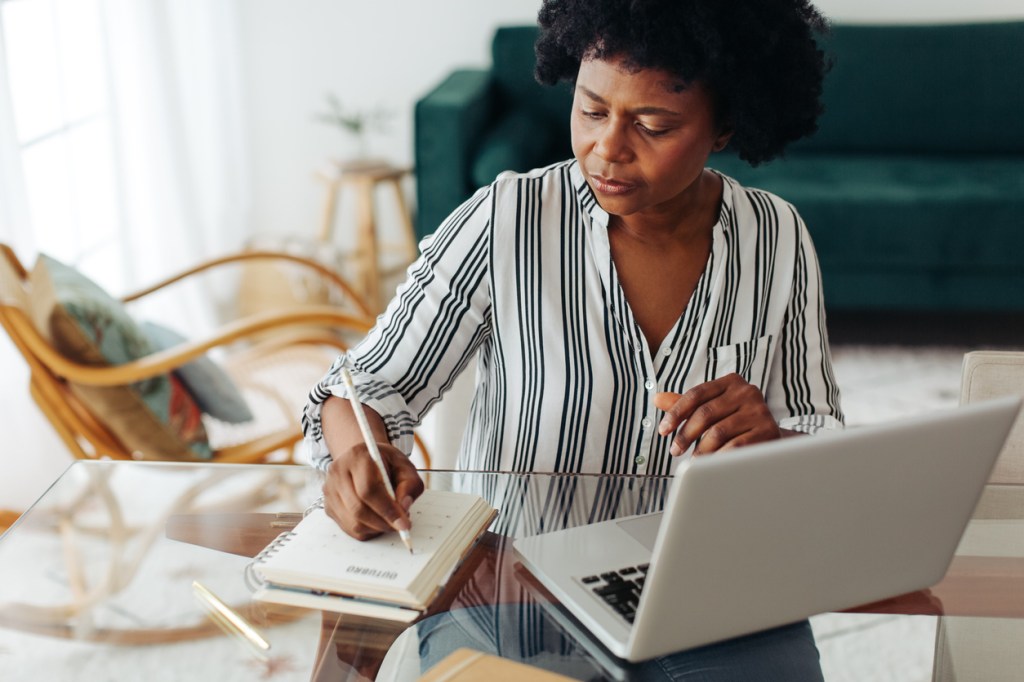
{"type": "Point", "coordinates": [902, 211]}
{"type": "Point", "coordinates": [157, 418]}
{"type": "Point", "coordinates": [934, 88]}
{"type": "Point", "coordinates": [920, 222]}
{"type": "Point", "coordinates": [208, 384]}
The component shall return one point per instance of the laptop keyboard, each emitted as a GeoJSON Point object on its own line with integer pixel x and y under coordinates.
{"type": "Point", "coordinates": [619, 589]}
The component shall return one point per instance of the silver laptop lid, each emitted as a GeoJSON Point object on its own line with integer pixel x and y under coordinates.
{"type": "Point", "coordinates": [774, 533]}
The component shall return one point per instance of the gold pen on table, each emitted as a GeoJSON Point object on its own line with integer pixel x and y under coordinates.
{"type": "Point", "coordinates": [371, 444]}
{"type": "Point", "coordinates": [226, 617]}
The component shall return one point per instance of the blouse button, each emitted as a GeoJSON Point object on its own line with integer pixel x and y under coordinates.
{"type": "Point", "coordinates": [667, 351]}
{"type": "Point", "coordinates": [649, 384]}
{"type": "Point", "coordinates": [640, 459]}
{"type": "Point", "coordinates": [646, 422]}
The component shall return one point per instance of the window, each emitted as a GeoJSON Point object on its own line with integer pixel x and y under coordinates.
{"type": "Point", "coordinates": [56, 70]}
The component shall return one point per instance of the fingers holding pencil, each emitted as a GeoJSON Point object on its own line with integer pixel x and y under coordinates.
{"type": "Point", "coordinates": [370, 438]}
{"type": "Point", "coordinates": [370, 502]}
{"type": "Point", "coordinates": [354, 493]}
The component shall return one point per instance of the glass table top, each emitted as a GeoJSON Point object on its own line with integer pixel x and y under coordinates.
{"type": "Point", "coordinates": [96, 579]}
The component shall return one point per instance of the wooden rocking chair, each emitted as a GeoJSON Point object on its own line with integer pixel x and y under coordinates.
{"type": "Point", "coordinates": [261, 348]}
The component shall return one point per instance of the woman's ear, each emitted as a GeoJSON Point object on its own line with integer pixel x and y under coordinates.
{"type": "Point", "coordinates": [723, 139]}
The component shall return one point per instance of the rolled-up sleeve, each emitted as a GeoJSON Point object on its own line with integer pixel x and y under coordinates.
{"type": "Point", "coordinates": [437, 320]}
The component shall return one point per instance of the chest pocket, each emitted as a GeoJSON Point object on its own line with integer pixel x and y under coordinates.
{"type": "Point", "coordinates": [750, 359]}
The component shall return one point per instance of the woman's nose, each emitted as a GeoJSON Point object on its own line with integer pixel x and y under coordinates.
{"type": "Point", "coordinates": [612, 144]}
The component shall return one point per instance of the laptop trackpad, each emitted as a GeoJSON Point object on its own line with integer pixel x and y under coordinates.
{"type": "Point", "coordinates": [643, 529]}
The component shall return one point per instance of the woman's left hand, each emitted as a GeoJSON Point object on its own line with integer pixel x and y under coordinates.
{"type": "Point", "coordinates": [717, 415]}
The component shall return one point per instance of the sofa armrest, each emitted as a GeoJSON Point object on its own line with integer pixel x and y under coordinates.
{"type": "Point", "coordinates": [449, 121]}
{"type": "Point", "coordinates": [518, 141]}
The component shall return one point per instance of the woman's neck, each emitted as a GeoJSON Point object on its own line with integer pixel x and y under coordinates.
{"type": "Point", "coordinates": [688, 220]}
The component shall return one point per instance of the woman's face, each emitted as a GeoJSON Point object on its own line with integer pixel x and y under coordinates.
{"type": "Point", "coordinates": [642, 138]}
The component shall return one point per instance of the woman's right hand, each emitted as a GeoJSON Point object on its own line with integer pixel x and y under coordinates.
{"type": "Point", "coordinates": [354, 492]}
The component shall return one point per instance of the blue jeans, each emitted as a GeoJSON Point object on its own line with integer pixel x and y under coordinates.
{"type": "Point", "coordinates": [525, 633]}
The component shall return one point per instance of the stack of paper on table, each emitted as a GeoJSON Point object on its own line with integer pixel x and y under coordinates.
{"type": "Point", "coordinates": [317, 565]}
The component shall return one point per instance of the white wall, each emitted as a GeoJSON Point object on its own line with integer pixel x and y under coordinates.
{"type": "Point", "coordinates": [885, 11]}
{"type": "Point", "coordinates": [386, 53]}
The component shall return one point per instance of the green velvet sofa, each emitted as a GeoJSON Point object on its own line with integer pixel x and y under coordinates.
{"type": "Point", "coordinates": [913, 187]}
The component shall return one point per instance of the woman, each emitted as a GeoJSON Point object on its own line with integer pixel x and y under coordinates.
{"type": "Point", "coordinates": [629, 305]}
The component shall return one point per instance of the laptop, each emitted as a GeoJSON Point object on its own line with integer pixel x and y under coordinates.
{"type": "Point", "coordinates": [773, 533]}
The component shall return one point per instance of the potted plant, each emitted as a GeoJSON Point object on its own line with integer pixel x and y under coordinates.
{"type": "Point", "coordinates": [356, 123]}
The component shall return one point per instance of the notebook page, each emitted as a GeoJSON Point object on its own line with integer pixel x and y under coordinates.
{"type": "Point", "coordinates": [319, 555]}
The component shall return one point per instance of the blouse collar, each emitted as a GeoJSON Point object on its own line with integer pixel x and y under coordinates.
{"type": "Point", "coordinates": [585, 196]}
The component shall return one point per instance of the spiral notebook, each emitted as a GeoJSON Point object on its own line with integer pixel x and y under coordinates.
{"type": "Point", "coordinates": [316, 565]}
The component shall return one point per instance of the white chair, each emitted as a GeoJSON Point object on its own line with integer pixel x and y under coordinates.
{"type": "Point", "coordinates": [989, 648]}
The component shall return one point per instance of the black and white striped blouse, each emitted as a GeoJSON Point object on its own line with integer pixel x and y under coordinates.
{"type": "Point", "coordinates": [521, 278]}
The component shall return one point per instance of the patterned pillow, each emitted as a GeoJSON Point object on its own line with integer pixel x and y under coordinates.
{"type": "Point", "coordinates": [156, 418]}
{"type": "Point", "coordinates": [210, 386]}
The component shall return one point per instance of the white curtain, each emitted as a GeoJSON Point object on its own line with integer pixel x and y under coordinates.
{"type": "Point", "coordinates": [179, 130]}
{"type": "Point", "coordinates": [181, 178]}
{"type": "Point", "coordinates": [174, 103]}
{"type": "Point", "coordinates": [14, 221]}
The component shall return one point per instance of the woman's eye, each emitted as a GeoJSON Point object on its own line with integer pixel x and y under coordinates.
{"type": "Point", "coordinates": [590, 114]}
{"type": "Point", "coordinates": [653, 132]}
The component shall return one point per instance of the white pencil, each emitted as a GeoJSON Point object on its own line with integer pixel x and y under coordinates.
{"type": "Point", "coordinates": [371, 443]}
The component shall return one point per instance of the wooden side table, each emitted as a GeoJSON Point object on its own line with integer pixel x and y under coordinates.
{"type": "Point", "coordinates": [364, 178]}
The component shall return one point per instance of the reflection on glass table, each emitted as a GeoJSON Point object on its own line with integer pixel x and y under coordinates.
{"type": "Point", "coordinates": [96, 579]}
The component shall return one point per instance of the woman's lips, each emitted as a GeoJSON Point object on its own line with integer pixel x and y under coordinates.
{"type": "Point", "coordinates": [611, 186]}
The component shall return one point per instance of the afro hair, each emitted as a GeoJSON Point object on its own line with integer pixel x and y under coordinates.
{"type": "Point", "coordinates": [759, 59]}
